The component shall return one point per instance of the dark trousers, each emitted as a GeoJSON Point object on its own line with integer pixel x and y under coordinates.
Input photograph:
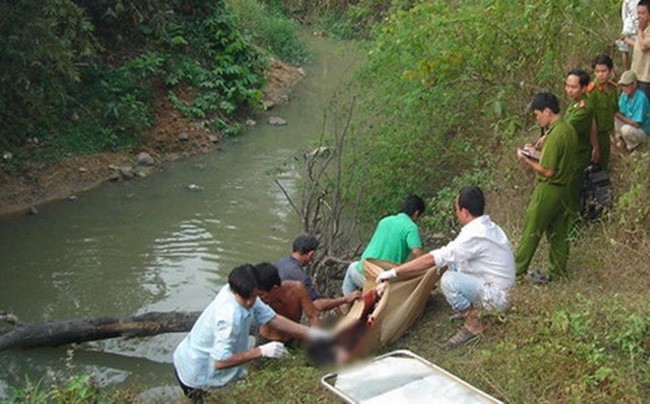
{"type": "Point", "coordinates": [194, 394]}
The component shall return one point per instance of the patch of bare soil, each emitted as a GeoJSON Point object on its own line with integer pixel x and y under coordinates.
{"type": "Point", "coordinates": [174, 136]}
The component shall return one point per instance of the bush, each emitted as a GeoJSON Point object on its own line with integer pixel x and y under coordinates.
{"type": "Point", "coordinates": [270, 30]}
{"type": "Point", "coordinates": [82, 77]}
{"type": "Point", "coordinates": [448, 82]}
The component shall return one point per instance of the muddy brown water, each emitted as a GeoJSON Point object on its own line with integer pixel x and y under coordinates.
{"type": "Point", "coordinates": [154, 245]}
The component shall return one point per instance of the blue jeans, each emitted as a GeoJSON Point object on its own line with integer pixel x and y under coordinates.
{"type": "Point", "coordinates": [353, 280]}
{"type": "Point", "coordinates": [460, 290]}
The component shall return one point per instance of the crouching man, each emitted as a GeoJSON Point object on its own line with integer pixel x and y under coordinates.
{"type": "Point", "coordinates": [212, 353]}
{"type": "Point", "coordinates": [480, 261]}
{"type": "Point", "coordinates": [287, 298]}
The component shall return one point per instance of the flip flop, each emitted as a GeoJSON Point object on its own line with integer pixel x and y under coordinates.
{"type": "Point", "coordinates": [462, 336]}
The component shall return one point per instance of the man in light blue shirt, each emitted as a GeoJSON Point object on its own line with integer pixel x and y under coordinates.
{"type": "Point", "coordinates": [212, 353]}
{"type": "Point", "coordinates": [632, 123]}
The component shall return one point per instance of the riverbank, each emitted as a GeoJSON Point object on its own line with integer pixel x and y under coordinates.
{"type": "Point", "coordinates": [173, 137]}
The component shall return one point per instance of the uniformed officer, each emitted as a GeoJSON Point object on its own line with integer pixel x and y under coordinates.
{"type": "Point", "coordinates": [547, 212]}
{"type": "Point", "coordinates": [580, 114]}
{"type": "Point", "coordinates": [603, 96]}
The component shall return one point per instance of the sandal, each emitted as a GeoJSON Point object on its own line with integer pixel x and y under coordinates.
{"type": "Point", "coordinates": [462, 336]}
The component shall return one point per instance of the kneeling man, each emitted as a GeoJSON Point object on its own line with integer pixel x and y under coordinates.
{"type": "Point", "coordinates": [213, 352]}
{"type": "Point", "coordinates": [481, 265]}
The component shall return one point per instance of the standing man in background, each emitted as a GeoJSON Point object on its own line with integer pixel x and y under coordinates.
{"type": "Point", "coordinates": [641, 47]}
{"type": "Point", "coordinates": [580, 115]}
{"type": "Point", "coordinates": [548, 210]}
{"type": "Point", "coordinates": [603, 96]}
{"type": "Point", "coordinates": [630, 28]}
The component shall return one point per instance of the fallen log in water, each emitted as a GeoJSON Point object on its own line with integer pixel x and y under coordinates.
{"type": "Point", "coordinates": [55, 333]}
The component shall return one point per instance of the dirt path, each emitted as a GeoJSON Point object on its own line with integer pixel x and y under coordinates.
{"type": "Point", "coordinates": [20, 194]}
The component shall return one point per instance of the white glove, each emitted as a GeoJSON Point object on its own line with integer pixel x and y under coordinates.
{"type": "Point", "coordinates": [318, 334]}
{"type": "Point", "coordinates": [384, 276]}
{"type": "Point", "coordinates": [273, 349]}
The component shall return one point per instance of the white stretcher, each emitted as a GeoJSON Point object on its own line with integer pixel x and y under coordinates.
{"type": "Point", "coordinates": [402, 377]}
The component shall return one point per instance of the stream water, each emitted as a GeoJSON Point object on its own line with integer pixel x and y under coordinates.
{"type": "Point", "coordinates": [154, 245]}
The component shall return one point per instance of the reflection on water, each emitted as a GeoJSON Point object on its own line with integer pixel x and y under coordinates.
{"type": "Point", "coordinates": [156, 245]}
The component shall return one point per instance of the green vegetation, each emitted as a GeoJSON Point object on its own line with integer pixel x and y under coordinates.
{"type": "Point", "coordinates": [84, 76]}
{"type": "Point", "coordinates": [442, 102]}
{"type": "Point", "coordinates": [270, 29]}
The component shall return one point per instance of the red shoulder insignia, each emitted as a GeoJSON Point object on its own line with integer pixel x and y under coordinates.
{"type": "Point", "coordinates": [591, 87]}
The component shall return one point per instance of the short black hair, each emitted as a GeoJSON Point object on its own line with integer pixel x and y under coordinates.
{"type": "Point", "coordinates": [268, 276]}
{"type": "Point", "coordinates": [413, 203]}
{"type": "Point", "coordinates": [243, 280]}
{"type": "Point", "coordinates": [602, 59]}
{"type": "Point", "coordinates": [583, 76]}
{"type": "Point", "coordinates": [645, 3]}
{"type": "Point", "coordinates": [305, 243]}
{"type": "Point", "coordinates": [543, 100]}
{"type": "Point", "coordinates": [471, 198]}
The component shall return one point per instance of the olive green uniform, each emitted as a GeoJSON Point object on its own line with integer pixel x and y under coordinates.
{"type": "Point", "coordinates": [581, 116]}
{"type": "Point", "coordinates": [604, 99]}
{"type": "Point", "coordinates": [547, 212]}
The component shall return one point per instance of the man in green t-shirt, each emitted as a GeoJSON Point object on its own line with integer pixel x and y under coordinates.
{"type": "Point", "coordinates": [396, 237]}
{"type": "Point", "coordinates": [548, 210]}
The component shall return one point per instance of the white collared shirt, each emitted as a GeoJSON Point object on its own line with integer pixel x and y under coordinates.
{"type": "Point", "coordinates": [482, 250]}
{"type": "Point", "coordinates": [219, 332]}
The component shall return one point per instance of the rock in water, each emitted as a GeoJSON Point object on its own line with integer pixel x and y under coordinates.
{"type": "Point", "coordinates": [277, 121]}
{"type": "Point", "coordinates": [145, 159]}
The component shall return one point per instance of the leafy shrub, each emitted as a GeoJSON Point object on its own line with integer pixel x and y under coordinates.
{"type": "Point", "coordinates": [81, 76]}
{"type": "Point", "coordinates": [270, 29]}
{"type": "Point", "coordinates": [447, 82]}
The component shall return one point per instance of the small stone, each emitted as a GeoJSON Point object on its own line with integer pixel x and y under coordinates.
{"type": "Point", "coordinates": [72, 198]}
{"type": "Point", "coordinates": [126, 172]}
{"type": "Point", "coordinates": [284, 98]}
{"type": "Point", "coordinates": [194, 188]}
{"type": "Point", "coordinates": [301, 71]}
{"type": "Point", "coordinates": [145, 159]}
{"type": "Point", "coordinates": [83, 170]}
{"type": "Point", "coordinates": [183, 137]}
{"type": "Point", "coordinates": [32, 211]}
{"type": "Point", "coordinates": [251, 123]}
{"type": "Point", "coordinates": [277, 121]}
{"type": "Point", "coordinates": [213, 138]}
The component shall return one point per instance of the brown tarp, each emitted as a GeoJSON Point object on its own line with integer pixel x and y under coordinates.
{"type": "Point", "coordinates": [401, 304]}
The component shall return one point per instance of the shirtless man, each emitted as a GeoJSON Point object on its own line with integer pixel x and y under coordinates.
{"type": "Point", "coordinates": [288, 298]}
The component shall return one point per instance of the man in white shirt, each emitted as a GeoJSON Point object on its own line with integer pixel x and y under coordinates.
{"type": "Point", "coordinates": [213, 352]}
{"type": "Point", "coordinates": [481, 262]}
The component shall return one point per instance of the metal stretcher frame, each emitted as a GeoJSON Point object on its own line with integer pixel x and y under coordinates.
{"type": "Point", "coordinates": [345, 396]}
